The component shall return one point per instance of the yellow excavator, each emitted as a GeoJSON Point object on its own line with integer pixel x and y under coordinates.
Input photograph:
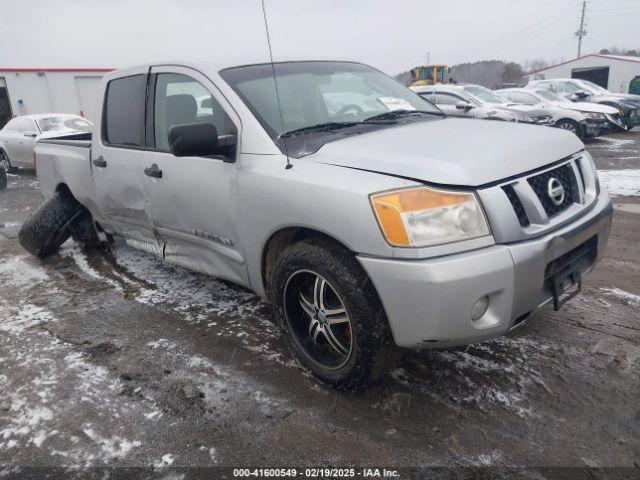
{"type": "Point", "coordinates": [429, 75]}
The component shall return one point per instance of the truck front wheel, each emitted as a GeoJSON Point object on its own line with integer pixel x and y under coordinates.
{"type": "Point", "coordinates": [48, 227]}
{"type": "Point", "coordinates": [331, 313]}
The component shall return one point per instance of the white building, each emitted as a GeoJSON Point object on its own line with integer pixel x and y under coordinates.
{"type": "Point", "coordinates": [616, 73]}
{"type": "Point", "coordinates": [26, 91]}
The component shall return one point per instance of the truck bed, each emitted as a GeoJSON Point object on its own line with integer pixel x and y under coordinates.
{"type": "Point", "coordinates": [66, 161]}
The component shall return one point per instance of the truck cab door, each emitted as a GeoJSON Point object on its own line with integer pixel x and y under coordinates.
{"type": "Point", "coordinates": [116, 161]}
{"type": "Point", "coordinates": [193, 200]}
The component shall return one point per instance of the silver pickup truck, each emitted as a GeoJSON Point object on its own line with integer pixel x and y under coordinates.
{"type": "Point", "coordinates": [365, 215]}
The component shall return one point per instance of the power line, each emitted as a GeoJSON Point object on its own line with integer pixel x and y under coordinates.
{"type": "Point", "coordinates": [546, 21]}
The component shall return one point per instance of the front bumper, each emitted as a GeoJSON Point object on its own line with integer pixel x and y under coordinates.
{"type": "Point", "coordinates": [592, 128]}
{"type": "Point", "coordinates": [428, 302]}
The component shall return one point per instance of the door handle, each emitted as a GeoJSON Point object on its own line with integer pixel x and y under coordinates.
{"type": "Point", "coordinates": [153, 171]}
{"type": "Point", "coordinates": [100, 162]}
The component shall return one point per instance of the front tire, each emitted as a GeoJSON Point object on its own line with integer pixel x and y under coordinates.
{"type": "Point", "coordinates": [5, 163]}
{"type": "Point", "coordinates": [331, 313]}
{"type": "Point", "coordinates": [569, 125]}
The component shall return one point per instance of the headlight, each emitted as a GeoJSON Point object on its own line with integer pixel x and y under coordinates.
{"type": "Point", "coordinates": [421, 216]}
{"type": "Point", "coordinates": [594, 115]}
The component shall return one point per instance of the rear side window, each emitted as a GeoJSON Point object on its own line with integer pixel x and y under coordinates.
{"type": "Point", "coordinates": [123, 122]}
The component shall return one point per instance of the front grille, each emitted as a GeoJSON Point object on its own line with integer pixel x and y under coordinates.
{"type": "Point", "coordinates": [540, 185]}
{"type": "Point", "coordinates": [517, 205]}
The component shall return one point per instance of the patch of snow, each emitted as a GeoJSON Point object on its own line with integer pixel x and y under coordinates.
{"type": "Point", "coordinates": [72, 250]}
{"type": "Point", "coordinates": [212, 453]}
{"type": "Point", "coordinates": [167, 460]}
{"type": "Point", "coordinates": [616, 143]}
{"type": "Point", "coordinates": [621, 182]}
{"type": "Point", "coordinates": [112, 447]}
{"type": "Point", "coordinates": [152, 415]}
{"type": "Point", "coordinates": [162, 343]}
{"type": "Point", "coordinates": [28, 316]}
{"type": "Point", "coordinates": [21, 271]}
{"type": "Point", "coordinates": [618, 292]}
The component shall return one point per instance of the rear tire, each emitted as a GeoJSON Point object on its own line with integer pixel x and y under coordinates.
{"type": "Point", "coordinates": [331, 314]}
{"type": "Point", "coordinates": [48, 227]}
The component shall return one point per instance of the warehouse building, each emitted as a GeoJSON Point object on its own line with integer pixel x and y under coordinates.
{"type": "Point", "coordinates": [25, 91]}
{"type": "Point", "coordinates": [616, 73]}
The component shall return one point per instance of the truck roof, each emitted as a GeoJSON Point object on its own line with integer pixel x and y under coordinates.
{"type": "Point", "coordinates": [217, 65]}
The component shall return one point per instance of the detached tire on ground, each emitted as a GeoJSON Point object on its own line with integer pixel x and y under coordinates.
{"type": "Point", "coordinates": [48, 227]}
{"type": "Point", "coordinates": [331, 313]}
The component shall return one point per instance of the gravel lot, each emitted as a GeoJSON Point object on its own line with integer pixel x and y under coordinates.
{"type": "Point", "coordinates": [120, 360]}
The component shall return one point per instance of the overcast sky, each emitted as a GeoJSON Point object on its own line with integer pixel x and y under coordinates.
{"type": "Point", "coordinates": [393, 35]}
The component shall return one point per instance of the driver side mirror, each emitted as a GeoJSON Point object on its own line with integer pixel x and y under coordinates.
{"type": "Point", "coordinates": [462, 105]}
{"type": "Point", "coordinates": [199, 140]}
{"type": "Point", "coordinates": [30, 134]}
{"type": "Point", "coordinates": [581, 94]}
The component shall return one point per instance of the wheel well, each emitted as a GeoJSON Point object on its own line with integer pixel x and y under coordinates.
{"type": "Point", "coordinates": [281, 240]}
{"type": "Point", "coordinates": [64, 190]}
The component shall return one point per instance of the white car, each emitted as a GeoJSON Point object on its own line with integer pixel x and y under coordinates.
{"type": "Point", "coordinates": [19, 136]}
{"type": "Point", "coordinates": [476, 101]}
{"type": "Point", "coordinates": [585, 119]}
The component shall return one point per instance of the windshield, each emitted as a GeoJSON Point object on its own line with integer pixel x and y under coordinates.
{"type": "Point", "coordinates": [550, 95]}
{"type": "Point", "coordinates": [62, 123]}
{"type": "Point", "coordinates": [593, 87]}
{"type": "Point", "coordinates": [483, 94]}
{"type": "Point", "coordinates": [315, 93]}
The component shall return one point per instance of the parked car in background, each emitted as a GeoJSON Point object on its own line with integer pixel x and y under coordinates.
{"type": "Point", "coordinates": [577, 90]}
{"type": "Point", "coordinates": [476, 101]}
{"type": "Point", "coordinates": [20, 135]}
{"type": "Point", "coordinates": [592, 109]}
{"type": "Point", "coordinates": [455, 102]}
{"type": "Point", "coordinates": [366, 216]}
{"type": "Point", "coordinates": [583, 124]}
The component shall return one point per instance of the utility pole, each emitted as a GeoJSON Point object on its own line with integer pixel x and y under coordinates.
{"type": "Point", "coordinates": [582, 32]}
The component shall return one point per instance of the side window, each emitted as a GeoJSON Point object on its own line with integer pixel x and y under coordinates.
{"type": "Point", "coordinates": [123, 120]}
{"type": "Point", "coordinates": [180, 99]}
{"type": "Point", "coordinates": [429, 96]}
{"type": "Point", "coordinates": [447, 99]}
{"type": "Point", "coordinates": [21, 125]}
{"type": "Point", "coordinates": [523, 98]}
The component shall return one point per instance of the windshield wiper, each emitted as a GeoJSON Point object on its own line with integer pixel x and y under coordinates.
{"type": "Point", "coordinates": [393, 114]}
{"type": "Point", "coordinates": [320, 127]}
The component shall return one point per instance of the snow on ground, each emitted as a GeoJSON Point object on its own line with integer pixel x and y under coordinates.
{"type": "Point", "coordinates": [21, 271]}
{"type": "Point", "coordinates": [197, 298]}
{"type": "Point", "coordinates": [495, 372]}
{"type": "Point", "coordinates": [631, 298]}
{"type": "Point", "coordinates": [72, 250]}
{"type": "Point", "coordinates": [621, 182]}
{"type": "Point", "coordinates": [616, 143]}
{"type": "Point", "coordinates": [42, 370]}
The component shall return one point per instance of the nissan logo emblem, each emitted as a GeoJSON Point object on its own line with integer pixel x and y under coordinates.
{"type": "Point", "coordinates": [555, 190]}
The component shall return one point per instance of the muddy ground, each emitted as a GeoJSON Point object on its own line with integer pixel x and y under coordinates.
{"type": "Point", "coordinates": [120, 360]}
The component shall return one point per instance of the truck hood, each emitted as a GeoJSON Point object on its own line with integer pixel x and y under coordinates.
{"type": "Point", "coordinates": [452, 151]}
